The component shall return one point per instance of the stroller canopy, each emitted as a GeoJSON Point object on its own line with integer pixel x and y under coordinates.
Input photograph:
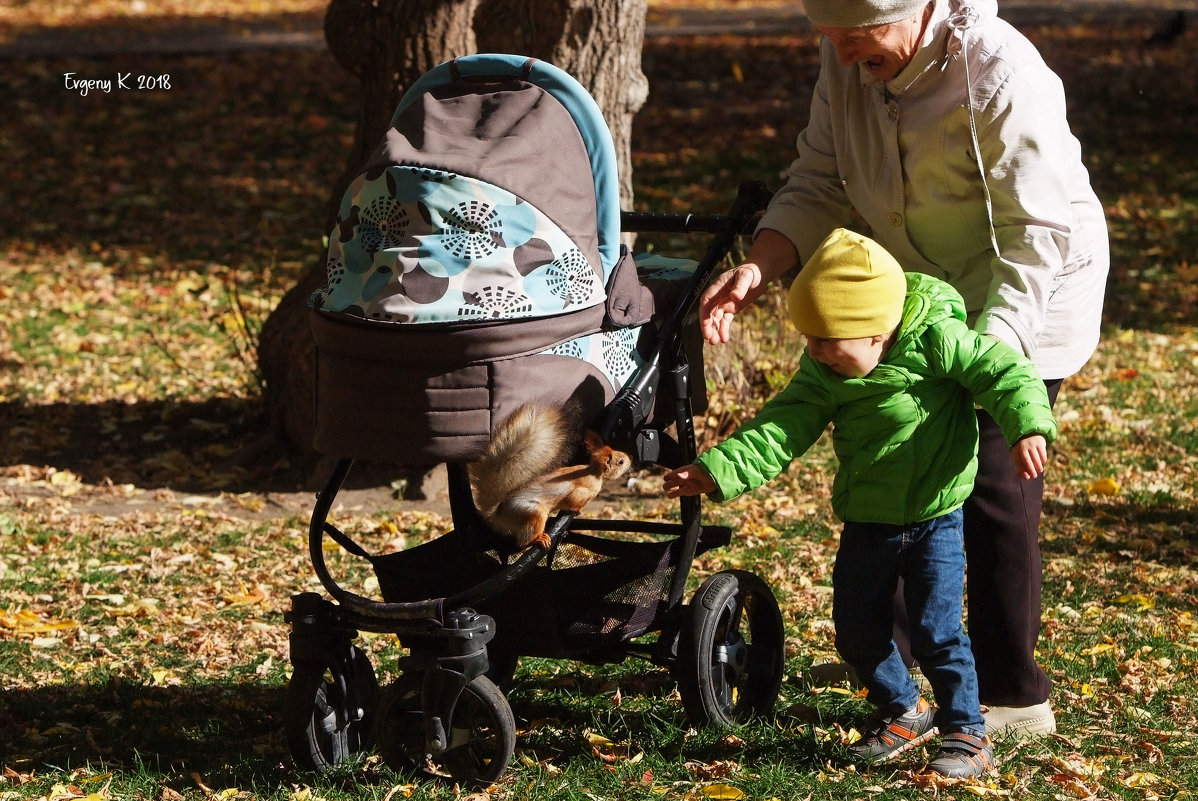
{"type": "Point", "coordinates": [494, 196]}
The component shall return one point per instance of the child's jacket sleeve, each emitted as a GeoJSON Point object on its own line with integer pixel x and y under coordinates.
{"type": "Point", "coordinates": [1001, 380]}
{"type": "Point", "coordinates": [785, 428]}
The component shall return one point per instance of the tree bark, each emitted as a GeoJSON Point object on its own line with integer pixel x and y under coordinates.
{"type": "Point", "coordinates": [388, 44]}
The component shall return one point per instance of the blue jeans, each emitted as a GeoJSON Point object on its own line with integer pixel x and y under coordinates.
{"type": "Point", "coordinates": [930, 558]}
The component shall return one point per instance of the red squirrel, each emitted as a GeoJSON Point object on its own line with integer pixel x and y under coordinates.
{"type": "Point", "coordinates": [519, 482]}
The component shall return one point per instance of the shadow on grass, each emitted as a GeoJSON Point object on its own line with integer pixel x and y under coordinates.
{"type": "Point", "coordinates": [232, 163]}
{"type": "Point", "coordinates": [639, 710]}
{"type": "Point", "coordinates": [1126, 529]}
{"type": "Point", "coordinates": [211, 445]}
{"type": "Point", "coordinates": [167, 34]}
{"type": "Point", "coordinates": [230, 735]}
{"type": "Point", "coordinates": [217, 445]}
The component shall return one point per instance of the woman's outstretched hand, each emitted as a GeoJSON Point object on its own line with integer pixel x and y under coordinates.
{"type": "Point", "coordinates": [772, 255]}
{"type": "Point", "coordinates": [728, 293]}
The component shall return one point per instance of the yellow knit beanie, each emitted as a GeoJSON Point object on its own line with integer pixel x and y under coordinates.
{"type": "Point", "coordinates": [849, 288]}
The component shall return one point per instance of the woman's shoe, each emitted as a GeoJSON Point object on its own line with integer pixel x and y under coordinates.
{"type": "Point", "coordinates": [1020, 722]}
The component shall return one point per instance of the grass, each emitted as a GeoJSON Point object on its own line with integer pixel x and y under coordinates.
{"type": "Point", "coordinates": [154, 665]}
{"type": "Point", "coordinates": [142, 646]}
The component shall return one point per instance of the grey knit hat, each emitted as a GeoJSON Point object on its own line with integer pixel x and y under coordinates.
{"type": "Point", "coordinates": [860, 13]}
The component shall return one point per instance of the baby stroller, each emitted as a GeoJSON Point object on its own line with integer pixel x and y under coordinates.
{"type": "Point", "coordinates": [476, 265]}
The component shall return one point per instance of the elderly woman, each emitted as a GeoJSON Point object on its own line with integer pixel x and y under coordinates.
{"type": "Point", "coordinates": [942, 127]}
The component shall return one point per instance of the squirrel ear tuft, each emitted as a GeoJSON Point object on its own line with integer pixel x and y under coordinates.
{"type": "Point", "coordinates": [592, 440]}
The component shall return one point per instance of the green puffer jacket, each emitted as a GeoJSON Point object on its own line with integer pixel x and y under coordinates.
{"type": "Point", "coordinates": [906, 434]}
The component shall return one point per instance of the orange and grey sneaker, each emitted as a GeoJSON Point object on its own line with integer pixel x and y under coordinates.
{"type": "Point", "coordinates": [963, 756]}
{"type": "Point", "coordinates": [885, 735]}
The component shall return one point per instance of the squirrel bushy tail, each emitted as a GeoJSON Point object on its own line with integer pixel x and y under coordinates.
{"type": "Point", "coordinates": [520, 481]}
{"type": "Point", "coordinates": [533, 441]}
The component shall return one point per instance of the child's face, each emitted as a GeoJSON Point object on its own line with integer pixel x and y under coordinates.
{"type": "Point", "coordinates": [851, 358]}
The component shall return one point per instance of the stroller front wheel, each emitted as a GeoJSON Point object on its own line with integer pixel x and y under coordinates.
{"type": "Point", "coordinates": [730, 650]}
{"type": "Point", "coordinates": [482, 734]}
{"type": "Point", "coordinates": [327, 717]}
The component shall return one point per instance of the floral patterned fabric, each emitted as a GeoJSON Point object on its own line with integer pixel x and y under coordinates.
{"type": "Point", "coordinates": [613, 353]}
{"type": "Point", "coordinates": [417, 245]}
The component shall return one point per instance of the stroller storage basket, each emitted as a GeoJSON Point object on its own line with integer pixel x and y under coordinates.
{"type": "Point", "coordinates": [590, 593]}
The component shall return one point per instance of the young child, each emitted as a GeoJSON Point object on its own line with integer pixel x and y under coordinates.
{"type": "Point", "coordinates": [892, 365]}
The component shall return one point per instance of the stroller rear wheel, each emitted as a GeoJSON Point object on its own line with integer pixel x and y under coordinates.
{"type": "Point", "coordinates": [730, 650]}
{"type": "Point", "coordinates": [327, 719]}
{"type": "Point", "coordinates": [482, 735]}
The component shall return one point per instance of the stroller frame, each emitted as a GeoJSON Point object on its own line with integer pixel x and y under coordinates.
{"type": "Point", "coordinates": [446, 716]}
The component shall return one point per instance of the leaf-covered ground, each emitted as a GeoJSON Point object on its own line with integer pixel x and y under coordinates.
{"type": "Point", "coordinates": [144, 566]}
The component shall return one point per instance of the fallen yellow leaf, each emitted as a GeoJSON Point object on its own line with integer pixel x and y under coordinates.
{"type": "Point", "coordinates": [61, 792]}
{"type": "Point", "coordinates": [1141, 780]}
{"type": "Point", "coordinates": [254, 596]}
{"type": "Point", "coordinates": [27, 622]}
{"type": "Point", "coordinates": [163, 677]}
{"type": "Point", "coordinates": [404, 790]}
{"type": "Point", "coordinates": [142, 607]}
{"type": "Point", "coordinates": [604, 748]}
{"type": "Point", "coordinates": [64, 478]}
{"type": "Point", "coordinates": [1142, 602]}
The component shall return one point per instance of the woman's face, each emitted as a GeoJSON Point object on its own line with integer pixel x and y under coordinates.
{"type": "Point", "coordinates": [882, 49]}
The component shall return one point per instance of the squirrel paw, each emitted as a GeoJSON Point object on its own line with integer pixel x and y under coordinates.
{"type": "Point", "coordinates": [541, 539]}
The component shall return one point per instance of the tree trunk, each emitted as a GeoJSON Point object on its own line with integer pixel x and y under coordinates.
{"type": "Point", "coordinates": [388, 44]}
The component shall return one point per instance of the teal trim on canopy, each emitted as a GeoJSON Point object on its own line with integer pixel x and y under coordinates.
{"type": "Point", "coordinates": [577, 101]}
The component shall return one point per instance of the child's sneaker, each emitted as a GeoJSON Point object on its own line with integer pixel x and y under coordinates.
{"type": "Point", "coordinates": [963, 756]}
{"type": "Point", "coordinates": [884, 736]}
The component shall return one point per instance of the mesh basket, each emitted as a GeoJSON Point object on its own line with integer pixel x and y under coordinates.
{"type": "Point", "coordinates": [593, 593]}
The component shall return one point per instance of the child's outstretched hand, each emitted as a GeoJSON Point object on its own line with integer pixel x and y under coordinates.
{"type": "Point", "coordinates": [690, 479]}
{"type": "Point", "coordinates": [1030, 454]}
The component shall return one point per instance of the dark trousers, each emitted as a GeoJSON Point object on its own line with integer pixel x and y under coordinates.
{"type": "Point", "coordinates": [1003, 574]}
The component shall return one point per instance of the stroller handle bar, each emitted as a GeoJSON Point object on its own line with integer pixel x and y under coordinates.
{"type": "Point", "coordinates": [670, 222]}
{"type": "Point", "coordinates": [632, 404]}
{"type": "Point", "coordinates": [751, 199]}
